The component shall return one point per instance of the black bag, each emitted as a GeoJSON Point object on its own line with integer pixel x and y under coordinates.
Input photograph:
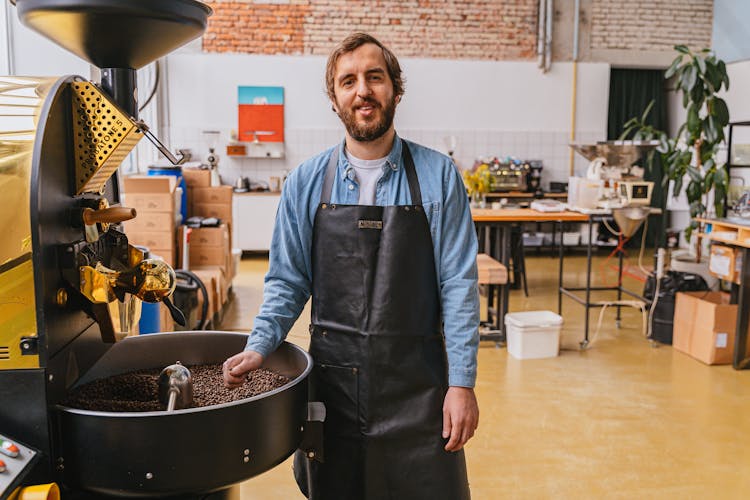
{"type": "Point", "coordinates": [671, 283]}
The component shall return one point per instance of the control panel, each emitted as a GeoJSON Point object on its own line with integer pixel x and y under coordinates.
{"type": "Point", "coordinates": [15, 460]}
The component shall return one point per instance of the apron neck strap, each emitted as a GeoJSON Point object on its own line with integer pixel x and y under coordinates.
{"type": "Point", "coordinates": [411, 176]}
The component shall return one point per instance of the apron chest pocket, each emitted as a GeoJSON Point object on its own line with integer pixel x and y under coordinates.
{"type": "Point", "coordinates": [338, 388]}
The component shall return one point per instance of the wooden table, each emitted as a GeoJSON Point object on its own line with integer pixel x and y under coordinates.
{"type": "Point", "coordinates": [500, 221]}
{"type": "Point", "coordinates": [741, 292]}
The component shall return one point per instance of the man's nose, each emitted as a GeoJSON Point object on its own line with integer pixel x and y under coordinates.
{"type": "Point", "coordinates": [363, 89]}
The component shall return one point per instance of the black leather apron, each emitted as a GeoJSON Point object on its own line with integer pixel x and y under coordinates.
{"type": "Point", "coordinates": [380, 361]}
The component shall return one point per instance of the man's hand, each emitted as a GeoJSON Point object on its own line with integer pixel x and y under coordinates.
{"type": "Point", "coordinates": [460, 417]}
{"type": "Point", "coordinates": [236, 368]}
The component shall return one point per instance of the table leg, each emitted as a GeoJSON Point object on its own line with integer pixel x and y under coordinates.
{"type": "Point", "coordinates": [504, 243]}
{"type": "Point", "coordinates": [560, 270]}
{"type": "Point", "coordinates": [585, 342]}
{"type": "Point", "coordinates": [619, 287]}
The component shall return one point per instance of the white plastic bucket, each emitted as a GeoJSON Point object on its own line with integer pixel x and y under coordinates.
{"type": "Point", "coordinates": [533, 334]}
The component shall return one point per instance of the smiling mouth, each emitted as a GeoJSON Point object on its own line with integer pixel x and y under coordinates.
{"type": "Point", "coordinates": [366, 109]}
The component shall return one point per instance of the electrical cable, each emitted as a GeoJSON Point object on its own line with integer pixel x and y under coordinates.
{"type": "Point", "coordinates": [638, 304]}
{"type": "Point", "coordinates": [189, 275]}
{"type": "Point", "coordinates": [154, 88]}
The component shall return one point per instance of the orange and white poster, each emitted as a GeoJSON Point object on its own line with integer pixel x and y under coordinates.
{"type": "Point", "coordinates": [261, 114]}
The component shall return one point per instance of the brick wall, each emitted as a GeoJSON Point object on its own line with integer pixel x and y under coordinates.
{"type": "Point", "coordinates": [450, 29]}
{"type": "Point", "coordinates": [650, 24]}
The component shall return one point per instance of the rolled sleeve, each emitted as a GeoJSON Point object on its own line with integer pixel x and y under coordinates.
{"type": "Point", "coordinates": [287, 283]}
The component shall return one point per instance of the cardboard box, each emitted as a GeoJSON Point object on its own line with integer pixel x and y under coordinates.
{"type": "Point", "coordinates": [704, 326]}
{"type": "Point", "coordinates": [196, 177]}
{"type": "Point", "coordinates": [209, 256]}
{"type": "Point", "coordinates": [150, 202]}
{"type": "Point", "coordinates": [722, 262]}
{"type": "Point", "coordinates": [218, 210]}
{"type": "Point", "coordinates": [211, 277]}
{"type": "Point", "coordinates": [220, 277]}
{"type": "Point", "coordinates": [156, 221]}
{"type": "Point", "coordinates": [235, 267]}
{"type": "Point", "coordinates": [149, 184]}
{"type": "Point", "coordinates": [153, 239]}
{"type": "Point", "coordinates": [210, 237]}
{"type": "Point", "coordinates": [218, 194]}
{"type": "Point", "coordinates": [168, 254]}
{"type": "Point", "coordinates": [166, 323]}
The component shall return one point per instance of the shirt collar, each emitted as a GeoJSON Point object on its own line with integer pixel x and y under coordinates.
{"type": "Point", "coordinates": [393, 160]}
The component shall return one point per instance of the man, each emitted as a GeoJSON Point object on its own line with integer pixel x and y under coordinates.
{"type": "Point", "coordinates": [378, 230]}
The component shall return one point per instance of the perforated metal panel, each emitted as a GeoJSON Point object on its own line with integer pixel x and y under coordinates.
{"type": "Point", "coordinates": [103, 136]}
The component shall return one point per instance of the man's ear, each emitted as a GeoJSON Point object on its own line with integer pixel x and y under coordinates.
{"type": "Point", "coordinates": [398, 99]}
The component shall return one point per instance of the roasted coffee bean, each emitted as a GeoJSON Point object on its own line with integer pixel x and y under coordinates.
{"type": "Point", "coordinates": [139, 391]}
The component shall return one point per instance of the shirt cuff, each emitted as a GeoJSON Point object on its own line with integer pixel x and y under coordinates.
{"type": "Point", "coordinates": [260, 345]}
{"type": "Point", "coordinates": [462, 378]}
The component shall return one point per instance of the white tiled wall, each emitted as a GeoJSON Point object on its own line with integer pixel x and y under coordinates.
{"type": "Point", "coordinates": [550, 147]}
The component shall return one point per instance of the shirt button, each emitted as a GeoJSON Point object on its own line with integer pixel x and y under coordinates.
{"type": "Point", "coordinates": [351, 187]}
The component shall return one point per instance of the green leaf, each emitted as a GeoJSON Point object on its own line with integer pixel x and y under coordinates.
{"type": "Point", "coordinates": [708, 164]}
{"type": "Point", "coordinates": [677, 187]}
{"type": "Point", "coordinates": [682, 49]}
{"type": "Point", "coordinates": [709, 128]}
{"type": "Point", "coordinates": [721, 111]}
{"type": "Point", "coordinates": [693, 120]}
{"type": "Point", "coordinates": [685, 99]}
{"type": "Point", "coordinates": [663, 146]}
{"type": "Point", "coordinates": [647, 111]}
{"type": "Point", "coordinates": [673, 67]}
{"type": "Point", "coordinates": [700, 64]}
{"type": "Point", "coordinates": [713, 76]}
{"type": "Point", "coordinates": [695, 175]}
{"type": "Point", "coordinates": [697, 95]}
{"type": "Point", "coordinates": [708, 182]}
{"type": "Point", "coordinates": [722, 68]}
{"type": "Point", "coordinates": [689, 78]}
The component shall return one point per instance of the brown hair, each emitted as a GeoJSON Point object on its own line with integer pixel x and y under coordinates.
{"type": "Point", "coordinates": [350, 44]}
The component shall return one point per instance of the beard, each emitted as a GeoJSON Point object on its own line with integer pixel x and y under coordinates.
{"type": "Point", "coordinates": [372, 129]}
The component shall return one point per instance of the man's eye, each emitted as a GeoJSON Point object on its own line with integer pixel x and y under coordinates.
{"type": "Point", "coordinates": [376, 78]}
{"type": "Point", "coordinates": [347, 83]}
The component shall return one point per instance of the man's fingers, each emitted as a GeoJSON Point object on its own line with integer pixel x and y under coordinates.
{"type": "Point", "coordinates": [455, 441]}
{"type": "Point", "coordinates": [446, 424]}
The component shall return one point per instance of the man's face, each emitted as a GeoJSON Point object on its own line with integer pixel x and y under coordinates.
{"type": "Point", "coordinates": [364, 93]}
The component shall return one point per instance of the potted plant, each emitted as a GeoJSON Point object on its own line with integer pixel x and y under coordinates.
{"type": "Point", "coordinates": [692, 154]}
{"type": "Point", "coordinates": [478, 183]}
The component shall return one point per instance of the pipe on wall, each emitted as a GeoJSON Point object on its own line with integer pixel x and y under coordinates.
{"type": "Point", "coordinates": [548, 36]}
{"type": "Point", "coordinates": [540, 34]}
{"type": "Point", "coordinates": [9, 56]}
{"type": "Point", "coordinates": [573, 104]}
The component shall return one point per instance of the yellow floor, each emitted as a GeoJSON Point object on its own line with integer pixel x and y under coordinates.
{"type": "Point", "coordinates": [622, 419]}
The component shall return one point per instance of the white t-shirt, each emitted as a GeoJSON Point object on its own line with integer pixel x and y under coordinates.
{"type": "Point", "coordinates": [368, 173]}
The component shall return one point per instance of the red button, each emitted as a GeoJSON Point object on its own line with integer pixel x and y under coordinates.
{"type": "Point", "coordinates": [9, 448]}
{"type": "Point", "coordinates": [2, 466]}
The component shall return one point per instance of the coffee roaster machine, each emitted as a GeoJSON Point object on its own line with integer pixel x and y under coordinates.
{"type": "Point", "coordinates": [70, 283]}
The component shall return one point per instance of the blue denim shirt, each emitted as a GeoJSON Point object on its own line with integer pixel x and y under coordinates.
{"type": "Point", "coordinates": [288, 282]}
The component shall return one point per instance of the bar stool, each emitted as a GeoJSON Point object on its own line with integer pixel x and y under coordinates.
{"type": "Point", "coordinates": [492, 275]}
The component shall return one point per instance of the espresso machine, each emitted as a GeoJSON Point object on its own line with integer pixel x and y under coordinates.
{"type": "Point", "coordinates": [71, 284]}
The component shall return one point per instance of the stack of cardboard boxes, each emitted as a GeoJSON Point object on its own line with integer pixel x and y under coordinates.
{"type": "Point", "coordinates": [154, 226]}
{"type": "Point", "coordinates": [209, 248]}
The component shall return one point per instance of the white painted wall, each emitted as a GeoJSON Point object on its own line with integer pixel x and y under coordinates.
{"type": "Point", "coordinates": [493, 108]}
{"type": "Point", "coordinates": [33, 55]}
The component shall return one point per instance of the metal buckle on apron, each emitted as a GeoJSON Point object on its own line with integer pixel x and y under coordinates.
{"type": "Point", "coordinates": [370, 224]}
